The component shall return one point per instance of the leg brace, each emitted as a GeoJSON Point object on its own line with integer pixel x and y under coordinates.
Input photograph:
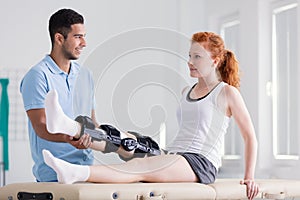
{"type": "Point", "coordinates": [144, 145]}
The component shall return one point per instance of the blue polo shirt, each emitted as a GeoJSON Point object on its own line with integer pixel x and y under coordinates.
{"type": "Point", "coordinates": [38, 81]}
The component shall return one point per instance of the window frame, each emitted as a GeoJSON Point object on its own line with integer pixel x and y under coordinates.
{"type": "Point", "coordinates": [276, 8]}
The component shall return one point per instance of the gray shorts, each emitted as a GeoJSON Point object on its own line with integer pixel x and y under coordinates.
{"type": "Point", "coordinates": [203, 168]}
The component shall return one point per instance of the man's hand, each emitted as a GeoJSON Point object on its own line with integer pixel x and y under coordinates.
{"type": "Point", "coordinates": [252, 188]}
{"type": "Point", "coordinates": [84, 141]}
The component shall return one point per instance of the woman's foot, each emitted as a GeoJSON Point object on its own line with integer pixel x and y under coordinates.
{"type": "Point", "coordinates": [56, 120]}
{"type": "Point", "coordinates": [66, 172]}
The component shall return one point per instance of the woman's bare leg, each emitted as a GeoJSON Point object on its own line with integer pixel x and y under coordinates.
{"type": "Point", "coordinates": [164, 168]}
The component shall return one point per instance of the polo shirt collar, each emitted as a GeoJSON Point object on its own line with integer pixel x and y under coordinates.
{"type": "Point", "coordinates": [53, 67]}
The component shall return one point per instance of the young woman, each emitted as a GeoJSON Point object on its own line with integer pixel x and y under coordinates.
{"type": "Point", "coordinates": [195, 154]}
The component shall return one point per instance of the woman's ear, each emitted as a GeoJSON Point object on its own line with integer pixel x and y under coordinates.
{"type": "Point", "coordinates": [216, 61]}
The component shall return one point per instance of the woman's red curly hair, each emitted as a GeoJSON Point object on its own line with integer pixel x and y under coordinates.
{"type": "Point", "coordinates": [228, 67]}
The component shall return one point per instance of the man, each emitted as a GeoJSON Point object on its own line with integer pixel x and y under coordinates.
{"type": "Point", "coordinates": [58, 71]}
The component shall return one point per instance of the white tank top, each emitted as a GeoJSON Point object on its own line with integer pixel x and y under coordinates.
{"type": "Point", "coordinates": [202, 126]}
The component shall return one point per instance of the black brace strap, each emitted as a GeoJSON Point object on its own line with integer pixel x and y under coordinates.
{"type": "Point", "coordinates": [144, 145]}
{"type": "Point", "coordinates": [113, 136]}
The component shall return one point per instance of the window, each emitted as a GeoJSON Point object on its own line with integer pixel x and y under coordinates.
{"type": "Point", "coordinates": [233, 141]}
{"type": "Point", "coordinates": [285, 98]}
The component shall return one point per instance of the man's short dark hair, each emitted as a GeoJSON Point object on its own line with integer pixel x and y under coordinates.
{"type": "Point", "coordinates": [61, 21]}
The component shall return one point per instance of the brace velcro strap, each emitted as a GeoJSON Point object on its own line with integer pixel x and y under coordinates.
{"type": "Point", "coordinates": [86, 122]}
{"type": "Point", "coordinates": [147, 144]}
{"type": "Point", "coordinates": [113, 137]}
{"type": "Point", "coordinates": [110, 147]}
{"type": "Point", "coordinates": [113, 134]}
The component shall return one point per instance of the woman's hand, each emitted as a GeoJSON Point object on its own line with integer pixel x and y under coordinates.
{"type": "Point", "coordinates": [252, 188]}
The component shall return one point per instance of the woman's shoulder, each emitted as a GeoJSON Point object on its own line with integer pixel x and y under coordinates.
{"type": "Point", "coordinates": [229, 89]}
{"type": "Point", "coordinates": [229, 96]}
{"type": "Point", "coordinates": [229, 92]}
{"type": "Point", "coordinates": [232, 95]}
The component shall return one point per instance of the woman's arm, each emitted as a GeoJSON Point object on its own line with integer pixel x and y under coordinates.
{"type": "Point", "coordinates": [236, 107]}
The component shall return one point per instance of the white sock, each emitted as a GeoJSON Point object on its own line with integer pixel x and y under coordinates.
{"type": "Point", "coordinates": [56, 120]}
{"type": "Point", "coordinates": [66, 172]}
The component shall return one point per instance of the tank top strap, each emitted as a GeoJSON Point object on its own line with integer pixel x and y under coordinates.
{"type": "Point", "coordinates": [216, 92]}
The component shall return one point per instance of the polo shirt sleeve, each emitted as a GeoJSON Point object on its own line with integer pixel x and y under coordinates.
{"type": "Point", "coordinates": [34, 88]}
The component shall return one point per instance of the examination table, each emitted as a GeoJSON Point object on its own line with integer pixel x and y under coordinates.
{"type": "Point", "coordinates": [221, 189]}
